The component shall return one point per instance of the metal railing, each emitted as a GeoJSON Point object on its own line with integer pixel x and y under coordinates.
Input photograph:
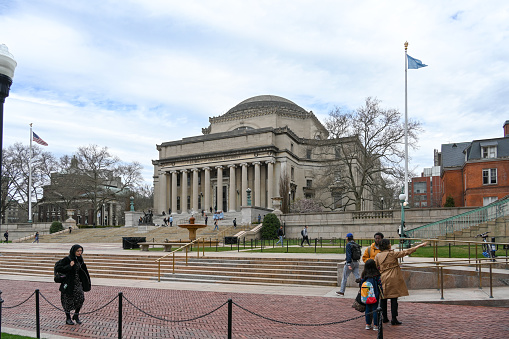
{"type": "Point", "coordinates": [459, 222]}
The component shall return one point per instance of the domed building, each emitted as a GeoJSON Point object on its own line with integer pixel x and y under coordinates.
{"type": "Point", "coordinates": [253, 145]}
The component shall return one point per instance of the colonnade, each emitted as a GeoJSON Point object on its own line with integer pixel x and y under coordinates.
{"type": "Point", "coordinates": [224, 191]}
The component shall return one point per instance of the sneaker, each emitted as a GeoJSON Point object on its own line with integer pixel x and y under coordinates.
{"type": "Point", "coordinates": [340, 293]}
{"type": "Point", "coordinates": [368, 327]}
{"type": "Point", "coordinates": [375, 328]}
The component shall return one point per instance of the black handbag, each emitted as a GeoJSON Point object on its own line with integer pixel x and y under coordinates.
{"type": "Point", "coordinates": [358, 304]}
{"type": "Point", "coordinates": [59, 277]}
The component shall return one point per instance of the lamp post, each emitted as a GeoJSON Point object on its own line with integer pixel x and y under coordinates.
{"type": "Point", "coordinates": [131, 199]}
{"type": "Point", "coordinates": [289, 200]}
{"type": "Point", "coordinates": [382, 201]}
{"type": "Point", "coordinates": [248, 191]}
{"type": "Point", "coordinates": [7, 66]}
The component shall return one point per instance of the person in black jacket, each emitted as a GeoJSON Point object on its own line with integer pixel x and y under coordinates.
{"type": "Point", "coordinates": [76, 282]}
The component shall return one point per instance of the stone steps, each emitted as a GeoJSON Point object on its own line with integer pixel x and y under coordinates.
{"type": "Point", "coordinates": [239, 270]}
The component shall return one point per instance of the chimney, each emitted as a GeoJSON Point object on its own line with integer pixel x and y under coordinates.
{"type": "Point", "coordinates": [506, 129]}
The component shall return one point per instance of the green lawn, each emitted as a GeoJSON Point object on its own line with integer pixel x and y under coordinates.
{"type": "Point", "coordinates": [14, 336]}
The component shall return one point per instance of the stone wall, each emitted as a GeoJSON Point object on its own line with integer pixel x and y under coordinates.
{"type": "Point", "coordinates": [21, 230]}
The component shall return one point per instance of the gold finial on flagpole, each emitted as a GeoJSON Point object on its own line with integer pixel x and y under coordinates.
{"type": "Point", "coordinates": [406, 45]}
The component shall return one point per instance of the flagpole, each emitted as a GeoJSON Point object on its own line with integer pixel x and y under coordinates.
{"type": "Point", "coordinates": [30, 178]}
{"type": "Point", "coordinates": [406, 124]}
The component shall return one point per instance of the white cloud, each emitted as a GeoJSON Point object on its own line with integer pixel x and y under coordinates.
{"type": "Point", "coordinates": [133, 74]}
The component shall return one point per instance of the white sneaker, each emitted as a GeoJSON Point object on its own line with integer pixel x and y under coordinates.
{"type": "Point", "coordinates": [375, 328]}
{"type": "Point", "coordinates": [368, 327]}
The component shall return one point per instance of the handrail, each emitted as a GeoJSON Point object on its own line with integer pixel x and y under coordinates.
{"type": "Point", "coordinates": [186, 246]}
{"type": "Point", "coordinates": [461, 221]}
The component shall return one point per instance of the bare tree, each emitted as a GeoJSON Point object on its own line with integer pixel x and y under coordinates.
{"type": "Point", "coordinates": [15, 172]}
{"type": "Point", "coordinates": [103, 177]}
{"type": "Point", "coordinates": [365, 147]}
{"type": "Point", "coordinates": [284, 192]}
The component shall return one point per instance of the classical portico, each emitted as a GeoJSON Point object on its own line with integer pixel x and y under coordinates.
{"type": "Point", "coordinates": [250, 146]}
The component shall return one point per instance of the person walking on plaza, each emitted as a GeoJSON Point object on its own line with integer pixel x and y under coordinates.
{"type": "Point", "coordinates": [353, 255]}
{"type": "Point", "coordinates": [36, 238]}
{"type": "Point", "coordinates": [206, 219]}
{"type": "Point", "coordinates": [171, 221]}
{"type": "Point", "coordinates": [259, 218]}
{"type": "Point", "coordinates": [280, 234]}
{"type": "Point", "coordinates": [216, 226]}
{"type": "Point", "coordinates": [305, 236]}
{"type": "Point", "coordinates": [393, 284]}
{"type": "Point", "coordinates": [77, 281]}
{"type": "Point", "coordinates": [235, 223]}
{"type": "Point", "coordinates": [374, 249]}
{"type": "Point", "coordinates": [6, 236]}
{"type": "Point", "coordinates": [371, 275]}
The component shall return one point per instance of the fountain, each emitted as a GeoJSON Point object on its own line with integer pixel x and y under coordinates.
{"type": "Point", "coordinates": [192, 228]}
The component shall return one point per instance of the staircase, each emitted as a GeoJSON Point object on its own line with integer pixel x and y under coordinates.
{"type": "Point", "coordinates": [458, 224]}
{"type": "Point", "coordinates": [268, 271]}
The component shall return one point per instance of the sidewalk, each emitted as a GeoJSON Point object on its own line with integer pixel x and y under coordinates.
{"type": "Point", "coordinates": [294, 304]}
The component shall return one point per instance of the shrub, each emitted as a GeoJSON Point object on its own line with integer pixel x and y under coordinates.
{"type": "Point", "coordinates": [449, 202]}
{"type": "Point", "coordinates": [270, 226]}
{"type": "Point", "coordinates": [55, 227]}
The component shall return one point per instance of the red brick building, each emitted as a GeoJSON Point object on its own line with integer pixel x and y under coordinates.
{"type": "Point", "coordinates": [476, 173]}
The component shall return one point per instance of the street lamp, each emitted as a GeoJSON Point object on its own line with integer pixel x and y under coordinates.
{"type": "Point", "coordinates": [289, 200]}
{"type": "Point", "coordinates": [248, 191]}
{"type": "Point", "coordinates": [382, 201]}
{"type": "Point", "coordinates": [7, 66]}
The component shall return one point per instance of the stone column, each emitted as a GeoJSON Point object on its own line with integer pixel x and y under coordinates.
{"type": "Point", "coordinates": [244, 184]}
{"type": "Point", "coordinates": [183, 186]}
{"type": "Point", "coordinates": [195, 190]}
{"type": "Point", "coordinates": [270, 183]}
{"type": "Point", "coordinates": [110, 214]}
{"type": "Point", "coordinates": [173, 192]}
{"type": "Point", "coordinates": [162, 193]}
{"type": "Point", "coordinates": [257, 193]}
{"type": "Point", "coordinates": [233, 195]}
{"type": "Point", "coordinates": [219, 197]}
{"type": "Point", "coordinates": [207, 189]}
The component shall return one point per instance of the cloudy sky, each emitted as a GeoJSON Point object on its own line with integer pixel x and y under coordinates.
{"type": "Point", "coordinates": [131, 74]}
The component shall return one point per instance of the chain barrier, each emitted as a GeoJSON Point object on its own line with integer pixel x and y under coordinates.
{"type": "Point", "coordinates": [81, 313]}
{"type": "Point", "coordinates": [172, 321]}
{"type": "Point", "coordinates": [21, 303]}
{"type": "Point", "coordinates": [298, 324]}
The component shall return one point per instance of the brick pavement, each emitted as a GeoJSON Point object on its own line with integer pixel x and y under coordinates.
{"type": "Point", "coordinates": [420, 319]}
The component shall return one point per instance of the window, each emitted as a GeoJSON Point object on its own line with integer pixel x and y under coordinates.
{"type": "Point", "coordinates": [308, 153]}
{"type": "Point", "coordinates": [178, 180]}
{"type": "Point", "coordinates": [178, 203]}
{"type": "Point", "coordinates": [188, 202]}
{"type": "Point", "coordinates": [488, 200]}
{"type": "Point", "coordinates": [291, 147]}
{"type": "Point", "coordinates": [188, 181]}
{"type": "Point", "coordinates": [292, 173]}
{"type": "Point", "coordinates": [489, 151]}
{"type": "Point", "coordinates": [419, 187]}
{"type": "Point", "coordinates": [309, 183]}
{"type": "Point", "coordinates": [489, 176]}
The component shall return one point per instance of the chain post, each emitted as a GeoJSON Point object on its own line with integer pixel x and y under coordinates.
{"type": "Point", "coordinates": [480, 274]}
{"type": "Point", "coordinates": [37, 315]}
{"type": "Point", "coordinates": [380, 334]}
{"type": "Point", "coordinates": [491, 281]}
{"type": "Point", "coordinates": [230, 306]}
{"type": "Point", "coordinates": [1, 304]}
{"type": "Point", "coordinates": [120, 297]}
{"type": "Point", "coordinates": [441, 283]}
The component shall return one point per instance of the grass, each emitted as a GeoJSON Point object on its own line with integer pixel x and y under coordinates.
{"type": "Point", "coordinates": [14, 336]}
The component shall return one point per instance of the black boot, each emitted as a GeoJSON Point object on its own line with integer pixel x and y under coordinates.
{"type": "Point", "coordinates": [68, 320]}
{"type": "Point", "coordinates": [395, 321]}
{"type": "Point", "coordinates": [76, 315]}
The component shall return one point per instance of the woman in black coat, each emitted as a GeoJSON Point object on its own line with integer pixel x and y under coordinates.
{"type": "Point", "coordinates": [76, 282]}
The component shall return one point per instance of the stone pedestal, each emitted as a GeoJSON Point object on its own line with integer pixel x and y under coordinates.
{"type": "Point", "coordinates": [132, 218]}
{"type": "Point", "coordinates": [69, 222]}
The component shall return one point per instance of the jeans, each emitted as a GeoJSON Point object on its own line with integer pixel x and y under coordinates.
{"type": "Point", "coordinates": [305, 238]}
{"type": "Point", "coordinates": [374, 316]}
{"type": "Point", "coordinates": [346, 273]}
{"type": "Point", "coordinates": [280, 240]}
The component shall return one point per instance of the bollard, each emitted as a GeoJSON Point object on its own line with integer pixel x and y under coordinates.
{"type": "Point", "coordinates": [441, 283]}
{"type": "Point", "coordinates": [315, 245]}
{"type": "Point", "coordinates": [230, 303]}
{"type": "Point", "coordinates": [37, 315]}
{"type": "Point", "coordinates": [120, 297]}
{"type": "Point", "coordinates": [449, 250]}
{"type": "Point", "coordinates": [238, 245]}
{"type": "Point", "coordinates": [287, 246]}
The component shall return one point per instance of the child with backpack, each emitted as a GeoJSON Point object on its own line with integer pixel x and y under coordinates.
{"type": "Point", "coordinates": [371, 287]}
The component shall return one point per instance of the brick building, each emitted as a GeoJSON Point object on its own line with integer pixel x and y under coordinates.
{"type": "Point", "coordinates": [476, 173]}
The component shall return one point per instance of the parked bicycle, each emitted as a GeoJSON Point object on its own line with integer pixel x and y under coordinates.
{"type": "Point", "coordinates": [487, 248]}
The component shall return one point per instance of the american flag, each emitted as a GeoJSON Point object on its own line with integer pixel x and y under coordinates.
{"type": "Point", "coordinates": [39, 140]}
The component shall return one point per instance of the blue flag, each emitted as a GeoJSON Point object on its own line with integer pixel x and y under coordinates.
{"type": "Point", "coordinates": [414, 63]}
